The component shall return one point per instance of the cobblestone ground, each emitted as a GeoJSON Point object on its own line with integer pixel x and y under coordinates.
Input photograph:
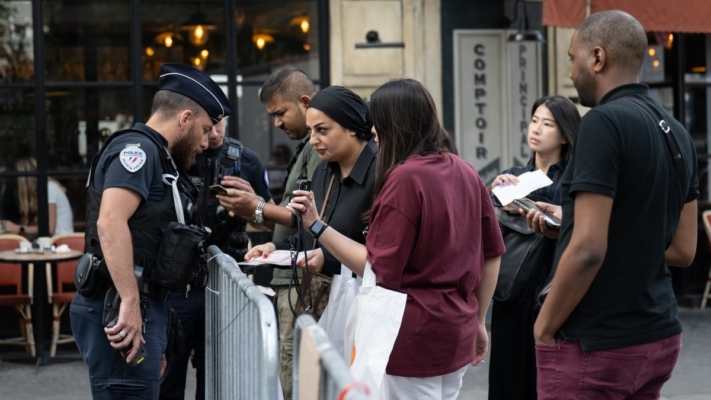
{"type": "Point", "coordinates": [69, 380]}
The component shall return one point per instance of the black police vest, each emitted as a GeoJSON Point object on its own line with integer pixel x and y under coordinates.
{"type": "Point", "coordinates": [150, 219]}
{"type": "Point", "coordinates": [227, 233]}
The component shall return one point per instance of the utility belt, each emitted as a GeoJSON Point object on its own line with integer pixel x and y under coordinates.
{"type": "Point", "coordinates": [92, 276]}
{"type": "Point", "coordinates": [179, 262]}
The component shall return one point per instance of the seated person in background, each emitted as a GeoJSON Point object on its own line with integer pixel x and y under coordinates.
{"type": "Point", "coordinates": [61, 218]}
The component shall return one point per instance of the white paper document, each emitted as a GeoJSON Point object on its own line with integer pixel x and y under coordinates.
{"type": "Point", "coordinates": [276, 257]}
{"type": "Point", "coordinates": [527, 183]}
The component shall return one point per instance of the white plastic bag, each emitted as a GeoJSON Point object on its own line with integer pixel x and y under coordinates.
{"type": "Point", "coordinates": [344, 289]}
{"type": "Point", "coordinates": [371, 329]}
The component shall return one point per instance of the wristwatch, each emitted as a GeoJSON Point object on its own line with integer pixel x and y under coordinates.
{"type": "Point", "coordinates": [317, 228]}
{"type": "Point", "coordinates": [259, 212]}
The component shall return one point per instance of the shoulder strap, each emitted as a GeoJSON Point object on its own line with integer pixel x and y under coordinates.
{"type": "Point", "coordinates": [673, 147]}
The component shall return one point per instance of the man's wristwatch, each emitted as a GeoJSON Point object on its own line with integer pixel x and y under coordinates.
{"type": "Point", "coordinates": [317, 228]}
{"type": "Point", "coordinates": [259, 212]}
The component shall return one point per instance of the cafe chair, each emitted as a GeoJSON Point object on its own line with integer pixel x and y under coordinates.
{"type": "Point", "coordinates": [64, 292]}
{"type": "Point", "coordinates": [11, 293]}
{"type": "Point", "coordinates": [706, 217]}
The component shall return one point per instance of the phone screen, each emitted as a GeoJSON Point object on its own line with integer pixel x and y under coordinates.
{"type": "Point", "coordinates": [219, 189]}
{"type": "Point", "coordinates": [528, 204]}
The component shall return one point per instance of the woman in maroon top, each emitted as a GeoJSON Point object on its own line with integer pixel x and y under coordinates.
{"type": "Point", "coordinates": [433, 235]}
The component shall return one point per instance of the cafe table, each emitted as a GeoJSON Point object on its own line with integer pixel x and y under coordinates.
{"type": "Point", "coordinates": [39, 290]}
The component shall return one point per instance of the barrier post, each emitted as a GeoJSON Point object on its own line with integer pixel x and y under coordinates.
{"type": "Point", "coordinates": [335, 378]}
{"type": "Point", "coordinates": [241, 338]}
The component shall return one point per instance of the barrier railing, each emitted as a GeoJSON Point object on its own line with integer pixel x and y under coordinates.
{"type": "Point", "coordinates": [320, 371]}
{"type": "Point", "coordinates": [241, 339]}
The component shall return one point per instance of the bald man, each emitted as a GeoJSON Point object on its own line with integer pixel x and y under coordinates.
{"type": "Point", "coordinates": [608, 328]}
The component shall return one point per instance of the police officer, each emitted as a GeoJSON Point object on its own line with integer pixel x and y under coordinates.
{"type": "Point", "coordinates": [224, 157]}
{"type": "Point", "coordinates": [131, 191]}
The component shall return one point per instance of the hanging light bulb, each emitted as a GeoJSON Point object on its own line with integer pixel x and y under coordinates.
{"type": "Point", "coordinates": [305, 26]}
{"type": "Point", "coordinates": [168, 41]}
{"type": "Point", "coordinates": [261, 39]}
{"type": "Point", "coordinates": [198, 28]}
{"type": "Point", "coordinates": [204, 54]}
{"type": "Point", "coordinates": [302, 22]}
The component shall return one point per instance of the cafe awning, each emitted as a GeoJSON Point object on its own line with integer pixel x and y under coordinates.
{"type": "Point", "coordinates": [687, 16]}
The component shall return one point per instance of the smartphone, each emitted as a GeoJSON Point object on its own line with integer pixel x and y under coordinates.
{"type": "Point", "coordinates": [219, 189]}
{"type": "Point", "coordinates": [528, 204]}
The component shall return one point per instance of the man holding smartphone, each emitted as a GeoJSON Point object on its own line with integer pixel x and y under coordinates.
{"type": "Point", "coordinates": [286, 94]}
{"type": "Point", "coordinates": [224, 157]}
{"type": "Point", "coordinates": [609, 327]}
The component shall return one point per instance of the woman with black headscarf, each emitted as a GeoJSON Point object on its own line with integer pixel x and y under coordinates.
{"type": "Point", "coordinates": [340, 124]}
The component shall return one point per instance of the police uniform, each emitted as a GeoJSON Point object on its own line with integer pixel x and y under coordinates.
{"type": "Point", "coordinates": [138, 160]}
{"type": "Point", "coordinates": [229, 235]}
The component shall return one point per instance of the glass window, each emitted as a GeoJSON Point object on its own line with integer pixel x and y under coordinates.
{"type": "Point", "coordinates": [79, 120]}
{"type": "Point", "coordinates": [16, 51]}
{"type": "Point", "coordinates": [87, 41]}
{"type": "Point", "coordinates": [185, 32]}
{"type": "Point", "coordinates": [17, 126]}
{"type": "Point", "coordinates": [275, 33]}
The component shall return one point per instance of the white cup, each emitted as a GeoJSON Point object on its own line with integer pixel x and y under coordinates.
{"type": "Point", "coordinates": [44, 242]}
{"type": "Point", "coordinates": [25, 247]}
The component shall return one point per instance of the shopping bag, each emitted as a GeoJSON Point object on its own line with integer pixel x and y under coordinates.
{"type": "Point", "coordinates": [371, 329]}
{"type": "Point", "coordinates": [344, 289]}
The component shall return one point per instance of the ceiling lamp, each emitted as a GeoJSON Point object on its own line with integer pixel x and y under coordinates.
{"type": "Point", "coordinates": [261, 39]}
{"type": "Point", "coordinates": [302, 22]}
{"type": "Point", "coordinates": [167, 38]}
{"type": "Point", "coordinates": [523, 34]}
{"type": "Point", "coordinates": [198, 28]}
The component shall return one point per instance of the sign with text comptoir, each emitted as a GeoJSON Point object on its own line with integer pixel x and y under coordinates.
{"type": "Point", "coordinates": [495, 84]}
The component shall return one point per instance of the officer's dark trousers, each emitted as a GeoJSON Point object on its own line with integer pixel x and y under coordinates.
{"type": "Point", "coordinates": [191, 312]}
{"type": "Point", "coordinates": [110, 376]}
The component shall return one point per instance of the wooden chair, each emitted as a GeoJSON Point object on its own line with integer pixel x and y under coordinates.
{"type": "Point", "coordinates": [706, 217]}
{"type": "Point", "coordinates": [63, 295]}
{"type": "Point", "coordinates": [11, 277]}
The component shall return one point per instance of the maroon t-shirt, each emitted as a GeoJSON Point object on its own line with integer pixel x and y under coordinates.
{"type": "Point", "coordinates": [431, 228]}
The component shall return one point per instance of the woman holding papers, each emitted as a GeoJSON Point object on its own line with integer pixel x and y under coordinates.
{"type": "Point", "coordinates": [551, 133]}
{"type": "Point", "coordinates": [433, 236]}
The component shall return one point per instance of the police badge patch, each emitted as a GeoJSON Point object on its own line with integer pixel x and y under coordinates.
{"type": "Point", "coordinates": [132, 158]}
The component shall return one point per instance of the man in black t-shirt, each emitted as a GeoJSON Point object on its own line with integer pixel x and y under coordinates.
{"type": "Point", "coordinates": [609, 328]}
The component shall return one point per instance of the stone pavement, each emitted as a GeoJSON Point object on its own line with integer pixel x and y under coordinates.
{"type": "Point", "coordinates": [69, 380]}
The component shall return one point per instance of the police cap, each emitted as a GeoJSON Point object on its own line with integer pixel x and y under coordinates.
{"type": "Point", "coordinates": [195, 84]}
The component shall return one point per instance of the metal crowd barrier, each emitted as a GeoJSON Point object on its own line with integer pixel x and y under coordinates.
{"type": "Point", "coordinates": [333, 376]}
{"type": "Point", "coordinates": [241, 339]}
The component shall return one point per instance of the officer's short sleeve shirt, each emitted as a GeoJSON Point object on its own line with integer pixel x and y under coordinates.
{"type": "Point", "coordinates": [137, 169]}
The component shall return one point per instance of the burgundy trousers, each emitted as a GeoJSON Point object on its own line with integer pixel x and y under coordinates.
{"type": "Point", "coordinates": [565, 371]}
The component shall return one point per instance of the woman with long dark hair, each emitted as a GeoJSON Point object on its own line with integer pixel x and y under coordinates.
{"type": "Point", "coordinates": [433, 236]}
{"type": "Point", "coordinates": [551, 134]}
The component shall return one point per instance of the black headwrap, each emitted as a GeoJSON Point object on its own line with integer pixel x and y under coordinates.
{"type": "Point", "coordinates": [346, 108]}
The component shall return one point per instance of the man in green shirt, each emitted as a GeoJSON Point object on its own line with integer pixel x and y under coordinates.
{"type": "Point", "coordinates": [286, 95]}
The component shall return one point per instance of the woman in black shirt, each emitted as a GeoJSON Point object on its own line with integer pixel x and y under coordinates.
{"type": "Point", "coordinates": [340, 125]}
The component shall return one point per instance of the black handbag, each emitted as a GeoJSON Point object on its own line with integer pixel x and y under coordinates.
{"type": "Point", "coordinates": [526, 253]}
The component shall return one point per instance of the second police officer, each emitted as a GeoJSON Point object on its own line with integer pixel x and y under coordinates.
{"type": "Point", "coordinates": [224, 156]}
{"type": "Point", "coordinates": [136, 211]}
